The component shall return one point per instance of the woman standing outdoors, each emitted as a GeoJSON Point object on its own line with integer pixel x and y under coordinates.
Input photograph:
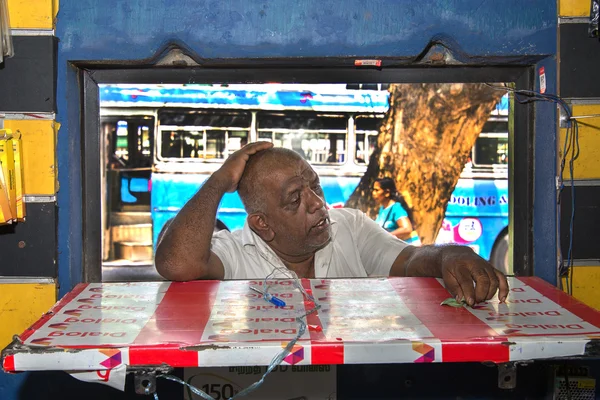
{"type": "Point", "coordinates": [393, 215]}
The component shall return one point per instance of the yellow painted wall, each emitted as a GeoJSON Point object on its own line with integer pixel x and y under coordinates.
{"type": "Point", "coordinates": [39, 155]}
{"type": "Point", "coordinates": [22, 304]}
{"type": "Point", "coordinates": [587, 166]}
{"type": "Point", "coordinates": [586, 279]}
{"type": "Point", "coordinates": [32, 14]}
{"type": "Point", "coordinates": [574, 8]}
{"type": "Point", "coordinates": [586, 285]}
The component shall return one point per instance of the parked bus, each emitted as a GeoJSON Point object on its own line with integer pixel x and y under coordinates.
{"type": "Point", "coordinates": [162, 142]}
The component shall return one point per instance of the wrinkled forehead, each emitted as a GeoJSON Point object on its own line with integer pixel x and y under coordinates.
{"type": "Point", "coordinates": [289, 173]}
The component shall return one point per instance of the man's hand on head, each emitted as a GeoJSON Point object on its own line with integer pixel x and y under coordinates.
{"type": "Point", "coordinates": [470, 277]}
{"type": "Point", "coordinates": [231, 171]}
{"type": "Point", "coordinates": [184, 251]}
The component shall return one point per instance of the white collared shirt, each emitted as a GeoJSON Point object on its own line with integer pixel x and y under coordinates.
{"type": "Point", "coordinates": [358, 248]}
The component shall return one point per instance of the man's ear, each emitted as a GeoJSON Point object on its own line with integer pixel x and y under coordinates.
{"type": "Point", "coordinates": [258, 223]}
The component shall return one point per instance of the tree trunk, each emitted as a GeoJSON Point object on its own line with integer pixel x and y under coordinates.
{"type": "Point", "coordinates": [423, 144]}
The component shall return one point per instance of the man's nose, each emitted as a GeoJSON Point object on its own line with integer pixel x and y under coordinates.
{"type": "Point", "coordinates": [315, 202]}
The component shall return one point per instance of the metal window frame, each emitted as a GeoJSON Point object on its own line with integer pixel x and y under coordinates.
{"type": "Point", "coordinates": [313, 71]}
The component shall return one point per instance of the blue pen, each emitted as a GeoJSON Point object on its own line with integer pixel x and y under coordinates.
{"type": "Point", "coordinates": [269, 297]}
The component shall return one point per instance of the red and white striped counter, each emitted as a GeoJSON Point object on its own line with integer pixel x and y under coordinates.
{"type": "Point", "coordinates": [99, 327]}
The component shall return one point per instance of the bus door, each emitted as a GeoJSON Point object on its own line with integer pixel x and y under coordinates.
{"type": "Point", "coordinates": [127, 165]}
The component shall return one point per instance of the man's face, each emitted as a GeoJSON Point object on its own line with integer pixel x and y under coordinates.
{"type": "Point", "coordinates": [296, 209]}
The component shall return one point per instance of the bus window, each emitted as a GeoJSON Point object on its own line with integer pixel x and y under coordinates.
{"type": "Point", "coordinates": [366, 128]}
{"type": "Point", "coordinates": [236, 140]}
{"type": "Point", "coordinates": [181, 143]}
{"type": "Point", "coordinates": [319, 139]}
{"type": "Point", "coordinates": [495, 125]}
{"type": "Point", "coordinates": [215, 144]}
{"type": "Point", "coordinates": [491, 147]}
{"type": "Point", "coordinates": [202, 135]}
{"type": "Point", "coordinates": [490, 150]}
{"type": "Point", "coordinates": [121, 141]}
{"type": "Point", "coordinates": [129, 141]}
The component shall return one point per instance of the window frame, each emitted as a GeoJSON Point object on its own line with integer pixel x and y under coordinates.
{"type": "Point", "coordinates": [289, 70]}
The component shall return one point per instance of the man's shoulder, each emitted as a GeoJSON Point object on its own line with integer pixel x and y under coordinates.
{"type": "Point", "coordinates": [344, 213]}
{"type": "Point", "coordinates": [346, 216]}
{"type": "Point", "coordinates": [225, 235]}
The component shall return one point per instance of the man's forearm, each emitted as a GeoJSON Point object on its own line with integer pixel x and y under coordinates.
{"type": "Point", "coordinates": [425, 261]}
{"type": "Point", "coordinates": [466, 275]}
{"type": "Point", "coordinates": [185, 246]}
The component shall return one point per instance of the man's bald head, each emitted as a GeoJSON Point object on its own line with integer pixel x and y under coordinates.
{"type": "Point", "coordinates": [258, 168]}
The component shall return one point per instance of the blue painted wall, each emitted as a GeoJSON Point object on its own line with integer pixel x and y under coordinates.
{"type": "Point", "coordinates": [545, 170]}
{"type": "Point", "coordinates": [137, 29]}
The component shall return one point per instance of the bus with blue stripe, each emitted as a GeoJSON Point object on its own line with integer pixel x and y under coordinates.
{"type": "Point", "coordinates": [163, 141]}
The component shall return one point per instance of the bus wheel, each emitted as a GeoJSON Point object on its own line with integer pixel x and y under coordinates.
{"type": "Point", "coordinates": [499, 257]}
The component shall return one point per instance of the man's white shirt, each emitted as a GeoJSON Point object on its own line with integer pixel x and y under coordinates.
{"type": "Point", "coordinates": [358, 248]}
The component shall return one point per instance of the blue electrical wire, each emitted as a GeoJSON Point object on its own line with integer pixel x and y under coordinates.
{"type": "Point", "coordinates": [574, 156]}
{"type": "Point", "coordinates": [274, 362]}
{"type": "Point", "coordinates": [272, 365]}
{"type": "Point", "coordinates": [571, 145]}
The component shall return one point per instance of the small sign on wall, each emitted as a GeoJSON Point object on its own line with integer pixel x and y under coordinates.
{"type": "Point", "coordinates": [285, 382]}
{"type": "Point", "coordinates": [542, 80]}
